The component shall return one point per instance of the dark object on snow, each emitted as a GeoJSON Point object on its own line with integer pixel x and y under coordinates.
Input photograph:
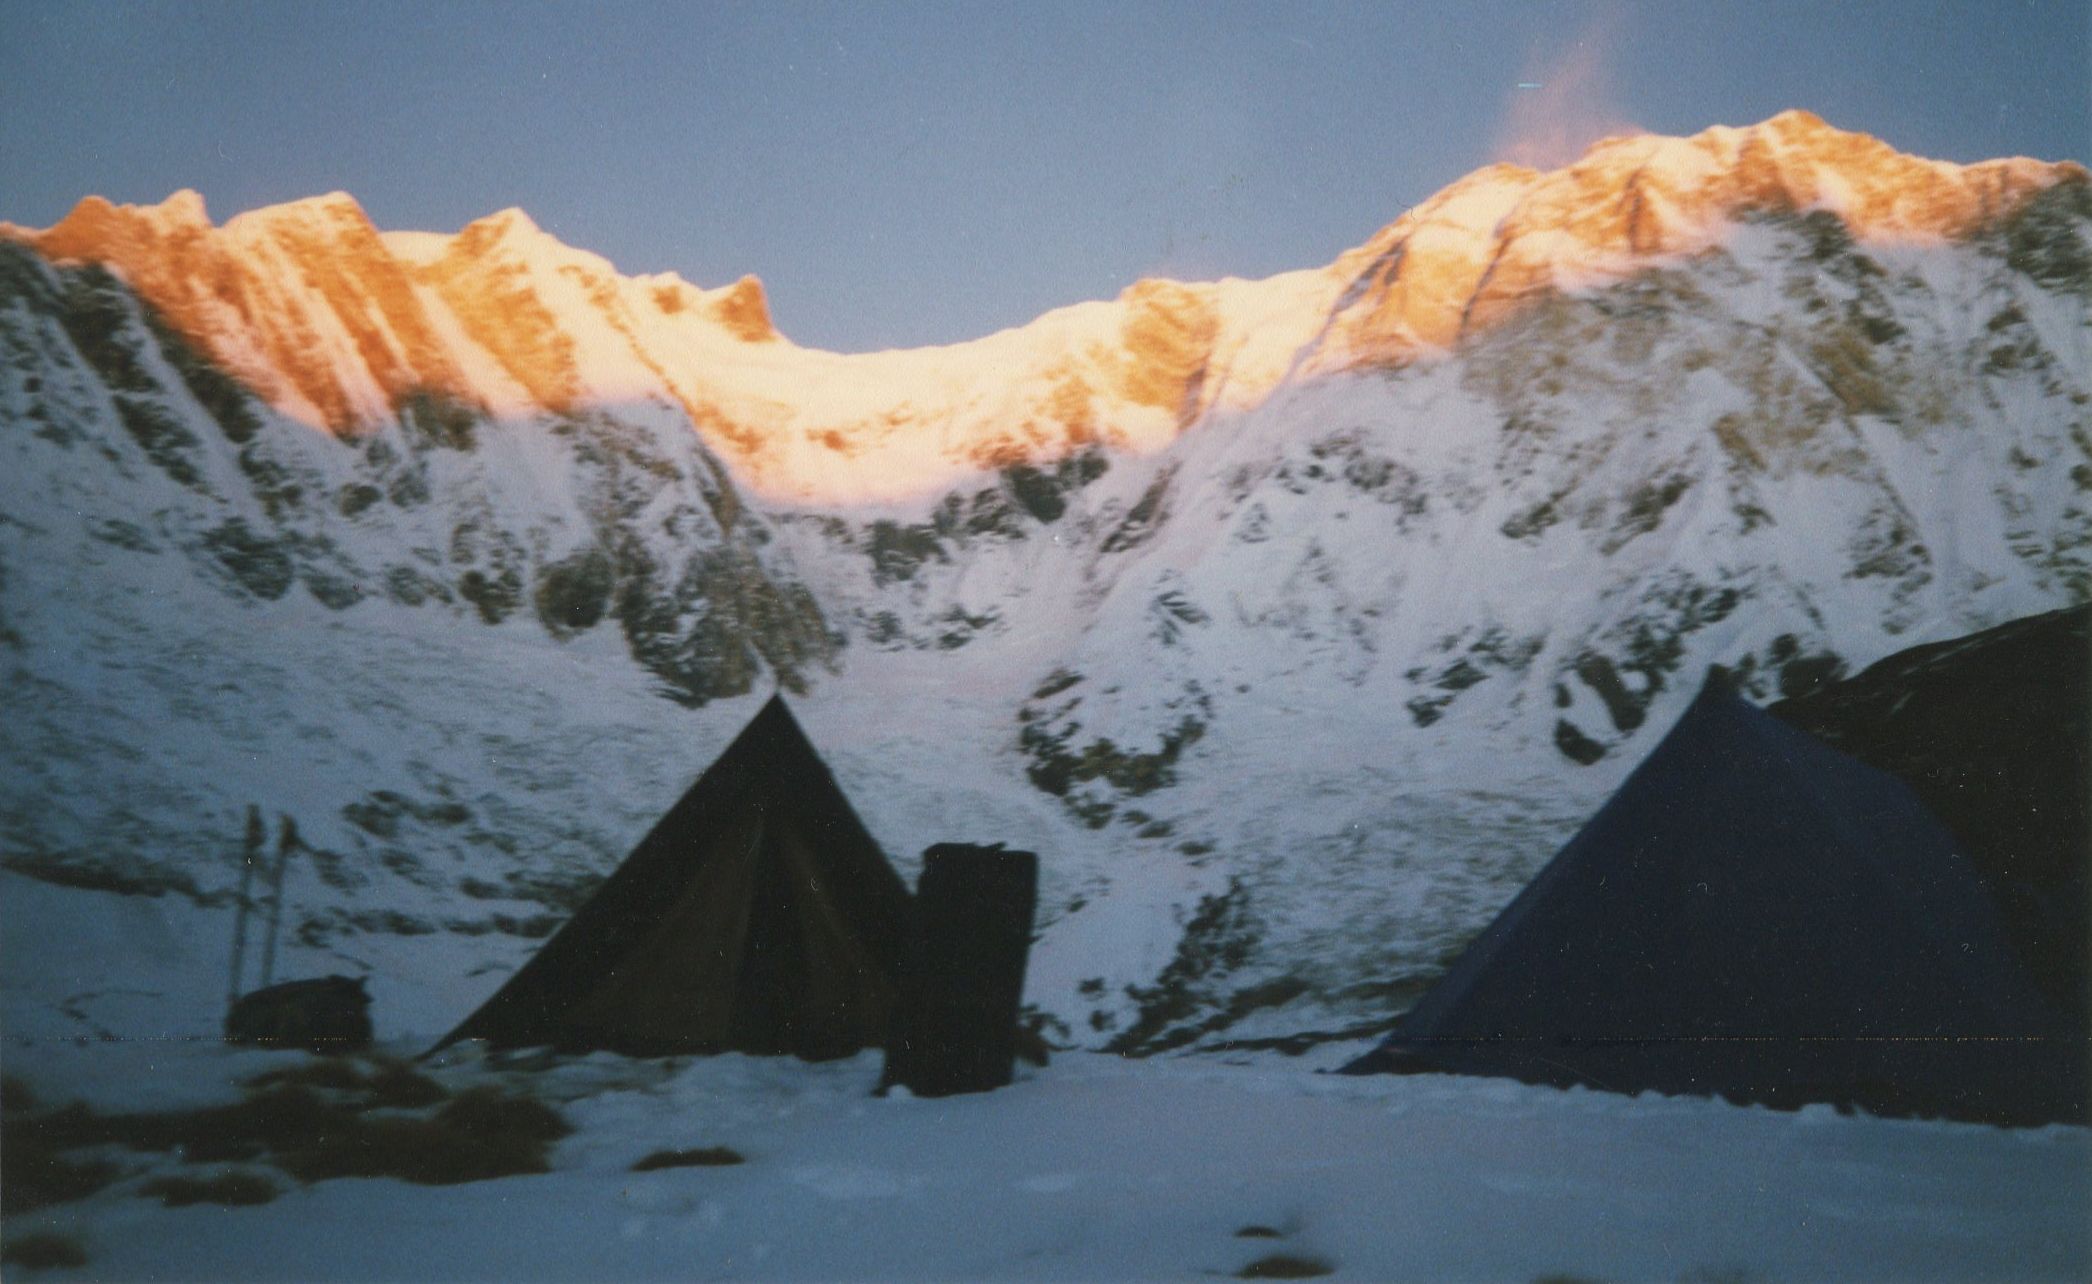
{"type": "Point", "coordinates": [43, 1251]}
{"type": "Point", "coordinates": [757, 916]}
{"type": "Point", "coordinates": [1758, 916]}
{"type": "Point", "coordinates": [1285, 1266]}
{"type": "Point", "coordinates": [957, 1026]}
{"type": "Point", "coordinates": [330, 1014]}
{"type": "Point", "coordinates": [700, 1157]}
{"type": "Point", "coordinates": [1994, 733]}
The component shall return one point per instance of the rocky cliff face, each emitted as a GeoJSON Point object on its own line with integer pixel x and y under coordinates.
{"type": "Point", "coordinates": [1293, 621]}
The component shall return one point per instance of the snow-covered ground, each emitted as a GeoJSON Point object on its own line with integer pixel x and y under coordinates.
{"type": "Point", "coordinates": [1102, 1168]}
{"type": "Point", "coordinates": [1094, 1167]}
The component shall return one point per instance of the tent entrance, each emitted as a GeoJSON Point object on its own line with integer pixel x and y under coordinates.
{"type": "Point", "coordinates": [809, 985]}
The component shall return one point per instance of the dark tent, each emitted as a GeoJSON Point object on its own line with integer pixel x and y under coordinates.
{"type": "Point", "coordinates": [757, 916]}
{"type": "Point", "coordinates": [1758, 916]}
{"type": "Point", "coordinates": [1993, 732]}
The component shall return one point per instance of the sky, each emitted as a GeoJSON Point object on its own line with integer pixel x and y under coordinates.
{"type": "Point", "coordinates": [909, 173]}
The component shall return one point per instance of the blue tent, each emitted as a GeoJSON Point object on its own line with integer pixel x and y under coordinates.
{"type": "Point", "coordinates": [1757, 916]}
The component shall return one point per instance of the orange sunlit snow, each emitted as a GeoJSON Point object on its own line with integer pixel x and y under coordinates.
{"type": "Point", "coordinates": [344, 327]}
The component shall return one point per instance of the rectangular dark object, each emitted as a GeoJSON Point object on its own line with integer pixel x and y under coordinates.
{"type": "Point", "coordinates": [956, 1029]}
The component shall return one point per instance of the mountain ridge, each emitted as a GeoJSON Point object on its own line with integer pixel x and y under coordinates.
{"type": "Point", "coordinates": [503, 318]}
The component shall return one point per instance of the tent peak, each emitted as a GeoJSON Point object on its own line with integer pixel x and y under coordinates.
{"type": "Point", "coordinates": [1720, 680]}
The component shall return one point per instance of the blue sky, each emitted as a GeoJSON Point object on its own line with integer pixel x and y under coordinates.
{"type": "Point", "coordinates": [912, 173]}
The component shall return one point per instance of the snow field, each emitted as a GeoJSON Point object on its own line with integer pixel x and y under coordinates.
{"type": "Point", "coordinates": [1100, 1168]}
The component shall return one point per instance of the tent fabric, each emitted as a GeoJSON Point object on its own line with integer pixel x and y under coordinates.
{"type": "Point", "coordinates": [1993, 732]}
{"type": "Point", "coordinates": [1757, 916]}
{"type": "Point", "coordinates": [757, 916]}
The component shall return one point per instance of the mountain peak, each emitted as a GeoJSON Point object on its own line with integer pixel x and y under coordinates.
{"type": "Point", "coordinates": [1798, 120]}
{"type": "Point", "coordinates": [325, 217]}
{"type": "Point", "coordinates": [744, 309]}
{"type": "Point", "coordinates": [95, 226]}
{"type": "Point", "coordinates": [92, 220]}
{"type": "Point", "coordinates": [185, 208]}
{"type": "Point", "coordinates": [511, 226]}
{"type": "Point", "coordinates": [336, 205]}
{"type": "Point", "coordinates": [512, 220]}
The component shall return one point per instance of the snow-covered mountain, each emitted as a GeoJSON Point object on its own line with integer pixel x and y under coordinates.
{"type": "Point", "coordinates": [1293, 621]}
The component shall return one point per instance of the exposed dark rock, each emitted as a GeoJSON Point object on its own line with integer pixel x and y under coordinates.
{"type": "Point", "coordinates": [222, 397]}
{"type": "Point", "coordinates": [572, 595]}
{"type": "Point", "coordinates": [1575, 745]}
{"type": "Point", "coordinates": [438, 419]}
{"type": "Point", "coordinates": [258, 562]}
{"type": "Point", "coordinates": [357, 496]}
{"type": "Point", "coordinates": [896, 550]}
{"type": "Point", "coordinates": [1624, 707]}
{"type": "Point", "coordinates": [2046, 240]}
{"type": "Point", "coordinates": [1144, 518]}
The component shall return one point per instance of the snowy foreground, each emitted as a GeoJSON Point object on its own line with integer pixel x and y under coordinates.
{"type": "Point", "coordinates": [1102, 1168]}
